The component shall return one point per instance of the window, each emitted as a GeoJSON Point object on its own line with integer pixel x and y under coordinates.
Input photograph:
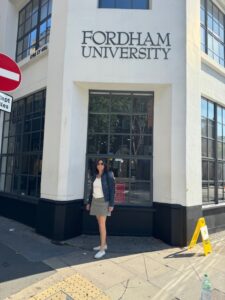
{"type": "Point", "coordinates": [212, 31]}
{"type": "Point", "coordinates": [22, 144]}
{"type": "Point", "coordinates": [120, 130]}
{"type": "Point", "coordinates": [33, 28]}
{"type": "Point", "coordinates": [213, 152]}
{"type": "Point", "coordinates": [124, 4]}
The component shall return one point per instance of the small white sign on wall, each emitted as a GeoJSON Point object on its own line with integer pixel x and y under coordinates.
{"type": "Point", "coordinates": [5, 102]}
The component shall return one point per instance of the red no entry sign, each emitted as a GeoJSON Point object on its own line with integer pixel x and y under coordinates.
{"type": "Point", "coordinates": [10, 75]}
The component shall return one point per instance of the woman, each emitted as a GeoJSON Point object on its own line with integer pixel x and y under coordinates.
{"type": "Point", "coordinates": [101, 202]}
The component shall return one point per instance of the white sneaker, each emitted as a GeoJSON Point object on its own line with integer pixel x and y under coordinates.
{"type": "Point", "coordinates": [99, 247]}
{"type": "Point", "coordinates": [100, 254]}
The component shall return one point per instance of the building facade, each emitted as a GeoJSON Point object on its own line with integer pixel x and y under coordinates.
{"type": "Point", "coordinates": [139, 83]}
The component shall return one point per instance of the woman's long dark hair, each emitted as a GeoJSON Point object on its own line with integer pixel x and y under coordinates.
{"type": "Point", "coordinates": [105, 165]}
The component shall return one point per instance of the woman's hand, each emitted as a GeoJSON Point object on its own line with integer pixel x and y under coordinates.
{"type": "Point", "coordinates": [111, 208]}
{"type": "Point", "coordinates": [88, 206]}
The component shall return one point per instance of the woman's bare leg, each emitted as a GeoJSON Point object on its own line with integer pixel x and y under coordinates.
{"type": "Point", "coordinates": [102, 230]}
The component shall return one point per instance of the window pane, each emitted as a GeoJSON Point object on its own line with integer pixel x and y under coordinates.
{"type": "Point", "coordinates": [34, 19]}
{"type": "Point", "coordinates": [3, 164]}
{"type": "Point", "coordinates": [38, 102]}
{"type": "Point", "coordinates": [27, 28]}
{"type": "Point", "coordinates": [32, 183]}
{"type": "Point", "coordinates": [141, 4]}
{"type": "Point", "coordinates": [202, 12]}
{"type": "Point", "coordinates": [205, 192]}
{"type": "Point", "coordinates": [36, 124]}
{"type": "Point", "coordinates": [44, 11]}
{"type": "Point", "coordinates": [219, 114]}
{"type": "Point", "coordinates": [6, 129]}
{"type": "Point", "coordinates": [10, 161]}
{"type": "Point", "coordinates": [35, 141]}
{"type": "Point", "coordinates": [204, 109]}
{"type": "Point", "coordinates": [140, 192]}
{"type": "Point", "coordinates": [220, 171]}
{"type": "Point", "coordinates": [97, 144]}
{"type": "Point", "coordinates": [123, 4]}
{"type": "Point", "coordinates": [5, 146]}
{"type": "Point", "coordinates": [204, 170]}
{"type": "Point", "coordinates": [99, 103]}
{"type": "Point", "coordinates": [220, 150]}
{"type": "Point", "coordinates": [11, 146]}
{"type": "Point", "coordinates": [25, 165]}
{"type": "Point", "coordinates": [120, 124]}
{"type": "Point", "coordinates": [2, 182]}
{"type": "Point", "coordinates": [35, 5]}
{"type": "Point", "coordinates": [211, 150]}
{"type": "Point", "coordinates": [107, 3]}
{"type": "Point", "coordinates": [220, 192]}
{"type": "Point", "coordinates": [143, 104]}
{"type": "Point", "coordinates": [120, 167]}
{"type": "Point", "coordinates": [120, 145]}
{"type": "Point", "coordinates": [211, 171]}
{"type": "Point", "coordinates": [34, 165]}
{"type": "Point", "coordinates": [8, 183]}
{"type": "Point", "coordinates": [204, 127]}
{"type": "Point", "coordinates": [140, 169]}
{"type": "Point", "coordinates": [141, 145]}
{"type": "Point", "coordinates": [26, 142]}
{"type": "Point", "coordinates": [23, 185]}
{"type": "Point", "coordinates": [212, 192]}
{"type": "Point", "coordinates": [49, 7]}
{"type": "Point", "coordinates": [219, 132]}
{"type": "Point", "coordinates": [121, 103]}
{"type": "Point", "coordinates": [22, 16]}
{"type": "Point", "coordinates": [121, 192]}
{"type": "Point", "coordinates": [203, 39]}
{"type": "Point", "coordinates": [15, 184]}
{"type": "Point", "coordinates": [42, 32]}
{"type": "Point", "coordinates": [20, 47]}
{"type": "Point", "coordinates": [211, 111]}
{"type": "Point", "coordinates": [98, 123]}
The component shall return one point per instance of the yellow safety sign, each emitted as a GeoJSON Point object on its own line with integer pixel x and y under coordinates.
{"type": "Point", "coordinates": [201, 227]}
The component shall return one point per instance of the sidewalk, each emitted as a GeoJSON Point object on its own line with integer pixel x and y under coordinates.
{"type": "Point", "coordinates": [32, 267]}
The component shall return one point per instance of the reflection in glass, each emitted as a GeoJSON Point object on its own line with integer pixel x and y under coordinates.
{"type": "Point", "coordinates": [120, 124]}
{"type": "Point", "coordinates": [98, 123]}
{"type": "Point", "coordinates": [140, 192]}
{"type": "Point", "coordinates": [120, 167]}
{"type": "Point", "coordinates": [141, 124]}
{"type": "Point", "coordinates": [204, 127]}
{"type": "Point", "coordinates": [121, 192]}
{"type": "Point", "coordinates": [32, 182]}
{"type": "Point", "coordinates": [140, 169]}
{"type": "Point", "coordinates": [8, 183]}
{"type": "Point", "coordinates": [204, 170]}
{"type": "Point", "coordinates": [121, 104]}
{"type": "Point", "coordinates": [99, 103]}
{"type": "Point", "coordinates": [141, 145]}
{"type": "Point", "coordinates": [120, 144]}
{"type": "Point", "coordinates": [97, 144]}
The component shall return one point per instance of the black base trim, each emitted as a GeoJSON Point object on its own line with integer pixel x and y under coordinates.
{"type": "Point", "coordinates": [175, 224]}
{"type": "Point", "coordinates": [18, 209]}
{"type": "Point", "coordinates": [215, 217]}
{"type": "Point", "coordinates": [59, 220]}
{"type": "Point", "coordinates": [125, 220]}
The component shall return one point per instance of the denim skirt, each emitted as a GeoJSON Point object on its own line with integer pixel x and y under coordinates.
{"type": "Point", "coordinates": [99, 207]}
